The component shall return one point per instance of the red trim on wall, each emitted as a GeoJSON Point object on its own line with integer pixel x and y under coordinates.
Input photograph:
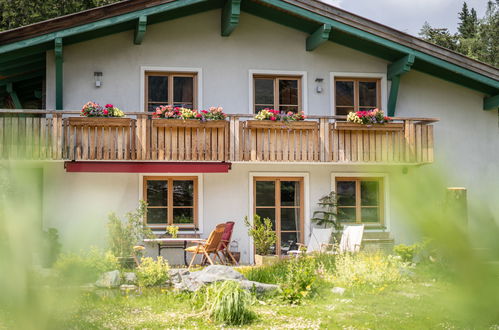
{"type": "Point", "coordinates": [148, 167]}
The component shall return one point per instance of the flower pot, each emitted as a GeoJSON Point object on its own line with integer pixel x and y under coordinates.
{"type": "Point", "coordinates": [100, 121]}
{"type": "Point", "coordinates": [348, 126]}
{"type": "Point", "coordinates": [189, 123]}
{"type": "Point", "coordinates": [265, 260]}
{"type": "Point", "coordinates": [300, 124]}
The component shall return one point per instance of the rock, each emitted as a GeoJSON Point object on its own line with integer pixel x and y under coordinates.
{"type": "Point", "coordinates": [188, 284]}
{"type": "Point", "coordinates": [109, 280]}
{"type": "Point", "coordinates": [216, 273]}
{"type": "Point", "coordinates": [258, 287]}
{"type": "Point", "coordinates": [128, 287]}
{"type": "Point", "coordinates": [176, 275]}
{"type": "Point", "coordinates": [130, 278]}
{"type": "Point", "coordinates": [338, 290]}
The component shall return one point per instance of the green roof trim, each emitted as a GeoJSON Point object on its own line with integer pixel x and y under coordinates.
{"type": "Point", "coordinates": [140, 30]}
{"type": "Point", "coordinates": [401, 66]}
{"type": "Point", "coordinates": [491, 103]}
{"type": "Point", "coordinates": [230, 16]}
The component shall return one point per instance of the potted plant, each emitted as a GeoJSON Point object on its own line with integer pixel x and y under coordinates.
{"type": "Point", "coordinates": [124, 235]}
{"type": "Point", "coordinates": [374, 119]}
{"type": "Point", "coordinates": [264, 238]}
{"type": "Point", "coordinates": [270, 118]}
{"type": "Point", "coordinates": [328, 216]}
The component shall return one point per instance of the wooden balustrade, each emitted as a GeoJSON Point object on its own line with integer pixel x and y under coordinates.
{"type": "Point", "coordinates": [56, 135]}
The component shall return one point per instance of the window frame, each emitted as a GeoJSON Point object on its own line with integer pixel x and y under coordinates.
{"type": "Point", "coordinates": [278, 206]}
{"type": "Point", "coordinates": [356, 80]}
{"type": "Point", "coordinates": [195, 74]}
{"type": "Point", "coordinates": [170, 206]}
{"type": "Point", "coordinates": [358, 206]}
{"type": "Point", "coordinates": [275, 79]}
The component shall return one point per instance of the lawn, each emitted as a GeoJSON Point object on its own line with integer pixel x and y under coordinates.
{"type": "Point", "coordinates": [417, 304]}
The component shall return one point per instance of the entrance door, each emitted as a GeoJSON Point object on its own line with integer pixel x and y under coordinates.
{"type": "Point", "coordinates": [281, 200]}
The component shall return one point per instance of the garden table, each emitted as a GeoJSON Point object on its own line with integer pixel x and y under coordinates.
{"type": "Point", "coordinates": [163, 243]}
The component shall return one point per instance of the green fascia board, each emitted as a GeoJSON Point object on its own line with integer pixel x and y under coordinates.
{"type": "Point", "coordinates": [140, 30]}
{"type": "Point", "coordinates": [132, 16]}
{"type": "Point", "coordinates": [491, 103]}
{"type": "Point", "coordinates": [401, 66]}
{"type": "Point", "coordinates": [318, 37]}
{"type": "Point", "coordinates": [379, 40]}
{"type": "Point", "coordinates": [230, 16]}
{"type": "Point", "coordinates": [39, 50]}
{"type": "Point", "coordinates": [19, 62]}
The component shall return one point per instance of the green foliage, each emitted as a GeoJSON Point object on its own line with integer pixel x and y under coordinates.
{"type": "Point", "coordinates": [367, 270]}
{"type": "Point", "coordinates": [85, 267]}
{"type": "Point", "coordinates": [51, 248]}
{"type": "Point", "coordinates": [152, 272]}
{"type": "Point", "coordinates": [124, 235]}
{"type": "Point", "coordinates": [476, 38]}
{"type": "Point", "coordinates": [271, 274]}
{"type": "Point", "coordinates": [18, 13]}
{"type": "Point", "coordinates": [406, 252]}
{"type": "Point", "coordinates": [227, 303]}
{"type": "Point", "coordinates": [262, 233]}
{"type": "Point", "coordinates": [300, 280]}
{"type": "Point", "coordinates": [328, 217]}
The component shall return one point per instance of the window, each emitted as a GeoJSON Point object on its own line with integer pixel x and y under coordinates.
{"type": "Point", "coordinates": [280, 93]}
{"type": "Point", "coordinates": [360, 200]}
{"type": "Point", "coordinates": [356, 94]}
{"type": "Point", "coordinates": [281, 200]}
{"type": "Point", "coordinates": [171, 201]}
{"type": "Point", "coordinates": [168, 88]}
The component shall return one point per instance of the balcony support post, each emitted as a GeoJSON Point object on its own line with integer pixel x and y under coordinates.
{"type": "Point", "coordinates": [58, 73]}
{"type": "Point", "coordinates": [320, 36]}
{"type": "Point", "coordinates": [140, 30]}
{"type": "Point", "coordinates": [230, 16]}
{"type": "Point", "coordinates": [394, 71]}
{"type": "Point", "coordinates": [491, 103]}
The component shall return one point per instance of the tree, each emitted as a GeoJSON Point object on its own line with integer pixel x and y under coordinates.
{"type": "Point", "coordinates": [468, 24]}
{"type": "Point", "coordinates": [439, 36]}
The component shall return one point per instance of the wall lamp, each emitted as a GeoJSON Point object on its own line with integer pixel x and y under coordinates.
{"type": "Point", "coordinates": [98, 79]}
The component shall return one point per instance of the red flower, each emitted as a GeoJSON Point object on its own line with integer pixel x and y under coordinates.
{"type": "Point", "coordinates": [105, 112]}
{"type": "Point", "coordinates": [273, 118]}
{"type": "Point", "coordinates": [109, 106]}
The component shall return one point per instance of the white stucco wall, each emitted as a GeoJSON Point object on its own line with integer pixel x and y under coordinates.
{"type": "Point", "coordinates": [466, 138]}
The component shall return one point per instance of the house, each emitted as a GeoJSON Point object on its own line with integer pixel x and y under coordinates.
{"type": "Point", "coordinates": [293, 55]}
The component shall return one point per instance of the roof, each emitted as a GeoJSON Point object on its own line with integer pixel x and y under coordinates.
{"type": "Point", "coordinates": [28, 44]}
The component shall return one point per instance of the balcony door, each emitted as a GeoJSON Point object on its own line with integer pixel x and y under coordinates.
{"type": "Point", "coordinates": [281, 200]}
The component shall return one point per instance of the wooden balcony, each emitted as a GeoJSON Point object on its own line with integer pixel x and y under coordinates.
{"type": "Point", "coordinates": [62, 135]}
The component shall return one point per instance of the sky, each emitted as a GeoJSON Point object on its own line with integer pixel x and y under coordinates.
{"type": "Point", "coordinates": [409, 15]}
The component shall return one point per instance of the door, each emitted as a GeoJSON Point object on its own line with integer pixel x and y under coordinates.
{"type": "Point", "coordinates": [281, 200]}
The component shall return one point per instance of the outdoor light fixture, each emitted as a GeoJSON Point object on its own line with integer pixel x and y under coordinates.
{"type": "Point", "coordinates": [98, 79]}
{"type": "Point", "coordinates": [318, 88]}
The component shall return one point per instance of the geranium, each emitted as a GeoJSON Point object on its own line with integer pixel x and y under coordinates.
{"type": "Point", "coordinates": [275, 115]}
{"type": "Point", "coordinates": [214, 113]}
{"type": "Point", "coordinates": [92, 109]}
{"type": "Point", "coordinates": [170, 112]}
{"type": "Point", "coordinates": [368, 117]}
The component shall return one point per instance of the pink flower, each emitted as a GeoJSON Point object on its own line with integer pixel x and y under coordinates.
{"type": "Point", "coordinates": [109, 106]}
{"type": "Point", "coordinates": [273, 118]}
{"type": "Point", "coordinates": [105, 112]}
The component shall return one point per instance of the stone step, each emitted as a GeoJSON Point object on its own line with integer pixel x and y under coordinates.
{"type": "Point", "coordinates": [376, 234]}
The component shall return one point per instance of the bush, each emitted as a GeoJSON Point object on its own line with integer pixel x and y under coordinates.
{"type": "Point", "coordinates": [262, 233]}
{"type": "Point", "coordinates": [152, 272]}
{"type": "Point", "coordinates": [226, 302]}
{"type": "Point", "coordinates": [367, 269]}
{"type": "Point", "coordinates": [301, 277]}
{"type": "Point", "coordinates": [85, 267]}
{"type": "Point", "coordinates": [406, 252]}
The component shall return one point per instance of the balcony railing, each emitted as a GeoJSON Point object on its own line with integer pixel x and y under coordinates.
{"type": "Point", "coordinates": [62, 135]}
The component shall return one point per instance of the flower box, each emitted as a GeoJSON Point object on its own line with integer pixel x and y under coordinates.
{"type": "Point", "coordinates": [281, 124]}
{"type": "Point", "coordinates": [189, 123]}
{"type": "Point", "coordinates": [348, 126]}
{"type": "Point", "coordinates": [100, 121]}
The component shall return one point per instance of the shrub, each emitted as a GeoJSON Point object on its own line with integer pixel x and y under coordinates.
{"type": "Point", "coordinates": [367, 269]}
{"type": "Point", "coordinates": [406, 252]}
{"type": "Point", "coordinates": [51, 248]}
{"type": "Point", "coordinates": [271, 274]}
{"type": "Point", "coordinates": [124, 235]}
{"type": "Point", "coordinates": [152, 272]}
{"type": "Point", "coordinates": [226, 302]}
{"type": "Point", "coordinates": [301, 276]}
{"type": "Point", "coordinates": [85, 267]}
{"type": "Point", "coordinates": [262, 233]}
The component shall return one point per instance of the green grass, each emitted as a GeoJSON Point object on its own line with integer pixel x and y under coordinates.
{"type": "Point", "coordinates": [417, 304]}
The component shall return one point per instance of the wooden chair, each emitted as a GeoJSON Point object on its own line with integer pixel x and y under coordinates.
{"type": "Point", "coordinates": [209, 246]}
{"type": "Point", "coordinates": [225, 242]}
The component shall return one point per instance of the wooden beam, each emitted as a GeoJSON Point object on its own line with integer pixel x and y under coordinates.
{"type": "Point", "coordinates": [22, 61]}
{"type": "Point", "coordinates": [22, 77]}
{"type": "Point", "coordinates": [320, 36]}
{"type": "Point", "coordinates": [230, 16]}
{"type": "Point", "coordinates": [58, 73]}
{"type": "Point", "coordinates": [401, 66]}
{"type": "Point", "coordinates": [392, 98]}
{"type": "Point", "coordinates": [140, 30]}
{"type": "Point", "coordinates": [13, 96]}
{"type": "Point", "coordinates": [24, 68]}
{"type": "Point", "coordinates": [491, 103]}
{"type": "Point", "coordinates": [394, 71]}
